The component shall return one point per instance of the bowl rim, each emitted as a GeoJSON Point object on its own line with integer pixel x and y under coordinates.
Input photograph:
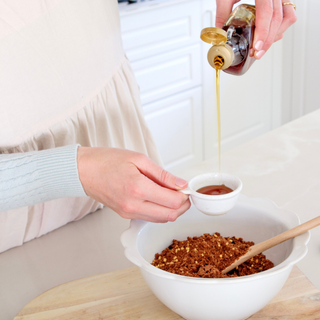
{"type": "Point", "coordinates": [130, 236]}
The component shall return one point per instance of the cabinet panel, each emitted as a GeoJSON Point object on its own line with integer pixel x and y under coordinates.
{"type": "Point", "coordinates": [169, 73]}
{"type": "Point", "coordinates": [176, 125]}
{"type": "Point", "coordinates": [160, 29]}
{"type": "Point", "coordinates": [304, 56]}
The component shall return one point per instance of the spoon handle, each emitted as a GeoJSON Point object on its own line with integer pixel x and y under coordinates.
{"type": "Point", "coordinates": [265, 245]}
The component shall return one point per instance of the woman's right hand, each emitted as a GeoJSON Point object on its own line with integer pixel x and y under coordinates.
{"type": "Point", "coordinates": [131, 184]}
{"type": "Point", "coordinates": [272, 20]}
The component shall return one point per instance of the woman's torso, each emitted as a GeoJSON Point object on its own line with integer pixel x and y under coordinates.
{"type": "Point", "coordinates": [64, 79]}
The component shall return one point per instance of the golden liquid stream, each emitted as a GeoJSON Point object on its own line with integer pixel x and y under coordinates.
{"type": "Point", "coordinates": [218, 64]}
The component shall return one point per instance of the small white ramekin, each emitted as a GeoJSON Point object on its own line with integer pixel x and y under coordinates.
{"type": "Point", "coordinates": [214, 205]}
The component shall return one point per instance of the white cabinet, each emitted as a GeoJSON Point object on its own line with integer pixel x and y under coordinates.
{"type": "Point", "coordinates": [162, 41]}
{"type": "Point", "coordinates": [301, 62]}
{"type": "Point", "coordinates": [150, 29]}
{"type": "Point", "coordinates": [168, 73]}
{"type": "Point", "coordinates": [176, 124]}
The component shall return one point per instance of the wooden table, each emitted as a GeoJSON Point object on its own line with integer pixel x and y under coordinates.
{"type": "Point", "coordinates": [124, 295]}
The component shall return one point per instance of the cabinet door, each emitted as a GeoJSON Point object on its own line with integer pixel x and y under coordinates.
{"type": "Point", "coordinates": [151, 28]}
{"type": "Point", "coordinates": [176, 125]}
{"type": "Point", "coordinates": [168, 73]}
{"type": "Point", "coordinates": [301, 62]}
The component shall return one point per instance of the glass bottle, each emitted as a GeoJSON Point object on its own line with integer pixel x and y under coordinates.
{"type": "Point", "coordinates": [231, 44]}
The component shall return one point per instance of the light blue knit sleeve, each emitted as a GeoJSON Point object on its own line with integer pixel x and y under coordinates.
{"type": "Point", "coordinates": [39, 176]}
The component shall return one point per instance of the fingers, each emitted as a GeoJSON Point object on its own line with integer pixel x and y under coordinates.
{"type": "Point", "coordinates": [289, 18]}
{"type": "Point", "coordinates": [159, 175]}
{"type": "Point", "coordinates": [144, 199]}
{"type": "Point", "coordinates": [274, 27]}
{"type": "Point", "coordinates": [278, 37]}
{"type": "Point", "coordinates": [149, 211]}
{"type": "Point", "coordinates": [152, 192]}
{"type": "Point", "coordinates": [272, 20]}
{"type": "Point", "coordinates": [264, 14]}
{"type": "Point", "coordinates": [152, 195]}
{"type": "Point", "coordinates": [131, 184]}
{"type": "Point", "coordinates": [224, 8]}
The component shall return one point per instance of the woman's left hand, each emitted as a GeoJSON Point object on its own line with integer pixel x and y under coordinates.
{"type": "Point", "coordinates": [272, 20]}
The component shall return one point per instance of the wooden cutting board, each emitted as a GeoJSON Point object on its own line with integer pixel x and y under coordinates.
{"type": "Point", "coordinates": [123, 295]}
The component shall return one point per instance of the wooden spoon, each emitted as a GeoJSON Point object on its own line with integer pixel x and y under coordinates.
{"type": "Point", "coordinates": [260, 247]}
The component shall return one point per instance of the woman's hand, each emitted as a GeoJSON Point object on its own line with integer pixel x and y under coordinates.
{"type": "Point", "coordinates": [131, 184]}
{"type": "Point", "coordinates": [272, 20]}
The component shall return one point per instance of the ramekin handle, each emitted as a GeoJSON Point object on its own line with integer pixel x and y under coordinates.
{"type": "Point", "coordinates": [187, 190]}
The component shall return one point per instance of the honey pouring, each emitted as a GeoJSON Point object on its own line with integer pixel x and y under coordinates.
{"type": "Point", "coordinates": [230, 52]}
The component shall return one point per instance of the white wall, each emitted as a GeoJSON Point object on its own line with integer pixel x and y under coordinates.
{"type": "Point", "coordinates": [301, 67]}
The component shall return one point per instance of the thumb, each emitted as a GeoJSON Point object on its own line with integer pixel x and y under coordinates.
{"type": "Point", "coordinates": [224, 8]}
{"type": "Point", "coordinates": [161, 176]}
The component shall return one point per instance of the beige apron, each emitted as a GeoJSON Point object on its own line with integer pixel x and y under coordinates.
{"type": "Point", "coordinates": [64, 79]}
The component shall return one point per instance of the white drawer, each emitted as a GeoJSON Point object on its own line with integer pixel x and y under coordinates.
{"type": "Point", "coordinates": [157, 29]}
{"type": "Point", "coordinates": [169, 73]}
{"type": "Point", "coordinates": [176, 125]}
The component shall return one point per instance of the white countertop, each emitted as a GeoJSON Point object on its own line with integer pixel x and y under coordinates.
{"type": "Point", "coordinates": [282, 165]}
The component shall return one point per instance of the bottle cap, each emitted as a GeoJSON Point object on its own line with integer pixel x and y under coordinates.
{"type": "Point", "coordinates": [224, 51]}
{"type": "Point", "coordinates": [215, 36]}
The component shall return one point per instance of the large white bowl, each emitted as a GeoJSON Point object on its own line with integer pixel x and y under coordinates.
{"type": "Point", "coordinates": [253, 219]}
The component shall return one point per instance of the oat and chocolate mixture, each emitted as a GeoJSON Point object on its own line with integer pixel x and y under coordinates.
{"type": "Point", "coordinates": [208, 255]}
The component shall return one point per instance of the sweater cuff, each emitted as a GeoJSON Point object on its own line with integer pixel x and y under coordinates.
{"type": "Point", "coordinates": [58, 172]}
